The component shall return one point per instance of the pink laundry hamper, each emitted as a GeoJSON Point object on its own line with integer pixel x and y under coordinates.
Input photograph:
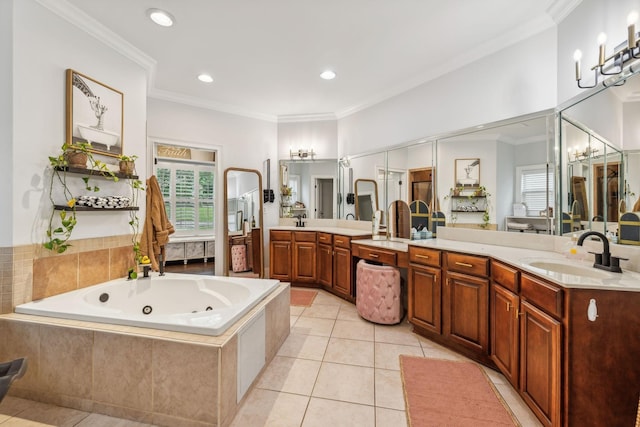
{"type": "Point", "coordinates": [378, 293]}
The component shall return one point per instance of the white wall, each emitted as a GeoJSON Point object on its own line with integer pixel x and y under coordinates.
{"type": "Point", "coordinates": [6, 121]}
{"type": "Point", "coordinates": [518, 80]}
{"type": "Point", "coordinates": [44, 46]}
{"type": "Point", "coordinates": [321, 136]}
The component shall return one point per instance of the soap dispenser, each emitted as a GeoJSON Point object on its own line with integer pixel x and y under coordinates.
{"type": "Point", "coordinates": [570, 249]}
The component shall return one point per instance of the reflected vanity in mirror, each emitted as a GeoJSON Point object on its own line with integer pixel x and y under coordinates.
{"type": "Point", "coordinates": [243, 222]}
{"type": "Point", "coordinates": [366, 199]}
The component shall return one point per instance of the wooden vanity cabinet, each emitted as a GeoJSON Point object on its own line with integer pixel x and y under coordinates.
{"type": "Point", "coordinates": [425, 289]}
{"type": "Point", "coordinates": [342, 267]}
{"type": "Point", "coordinates": [504, 320]}
{"type": "Point", "coordinates": [465, 304]}
{"type": "Point", "coordinates": [325, 259]}
{"type": "Point", "coordinates": [280, 242]}
{"type": "Point", "coordinates": [304, 257]}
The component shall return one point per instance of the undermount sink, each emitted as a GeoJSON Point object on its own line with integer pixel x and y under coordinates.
{"type": "Point", "coordinates": [555, 266]}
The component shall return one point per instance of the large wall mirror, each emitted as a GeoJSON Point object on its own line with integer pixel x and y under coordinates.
{"type": "Point", "coordinates": [309, 188]}
{"type": "Point", "coordinates": [600, 180]}
{"type": "Point", "coordinates": [243, 222]}
{"type": "Point", "coordinates": [485, 174]}
{"type": "Point", "coordinates": [362, 169]}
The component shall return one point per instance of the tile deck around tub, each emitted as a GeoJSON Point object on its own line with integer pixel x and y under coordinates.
{"type": "Point", "coordinates": [334, 369]}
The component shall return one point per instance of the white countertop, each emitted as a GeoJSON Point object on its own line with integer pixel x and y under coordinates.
{"type": "Point", "coordinates": [519, 257]}
{"type": "Point", "coordinates": [352, 232]}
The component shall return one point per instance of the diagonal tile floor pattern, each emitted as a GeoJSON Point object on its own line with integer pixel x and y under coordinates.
{"type": "Point", "coordinates": [335, 369]}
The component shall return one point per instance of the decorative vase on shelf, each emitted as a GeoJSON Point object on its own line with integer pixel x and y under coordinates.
{"type": "Point", "coordinates": [127, 166]}
{"type": "Point", "coordinates": [76, 159]}
{"type": "Point", "coordinates": [286, 199]}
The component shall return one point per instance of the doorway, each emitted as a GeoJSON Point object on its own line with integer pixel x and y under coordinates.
{"type": "Point", "coordinates": [606, 194]}
{"type": "Point", "coordinates": [421, 185]}
{"type": "Point", "coordinates": [323, 208]}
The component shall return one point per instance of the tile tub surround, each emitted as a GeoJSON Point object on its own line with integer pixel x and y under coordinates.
{"type": "Point", "coordinates": [145, 375]}
{"type": "Point", "coordinates": [31, 272]}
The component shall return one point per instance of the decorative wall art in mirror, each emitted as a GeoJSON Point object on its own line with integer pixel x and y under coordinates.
{"type": "Point", "coordinates": [243, 222]}
{"type": "Point", "coordinates": [366, 198]}
{"type": "Point", "coordinates": [94, 114]}
{"type": "Point", "coordinates": [467, 172]}
{"type": "Point", "coordinates": [309, 187]}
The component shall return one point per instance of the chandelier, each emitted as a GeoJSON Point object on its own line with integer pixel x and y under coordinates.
{"type": "Point", "coordinates": [619, 65]}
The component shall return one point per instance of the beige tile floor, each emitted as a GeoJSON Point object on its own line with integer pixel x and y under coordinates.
{"type": "Point", "coordinates": [334, 369]}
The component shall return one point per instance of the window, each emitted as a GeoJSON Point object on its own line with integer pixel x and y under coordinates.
{"type": "Point", "coordinates": [536, 188]}
{"type": "Point", "coordinates": [188, 192]}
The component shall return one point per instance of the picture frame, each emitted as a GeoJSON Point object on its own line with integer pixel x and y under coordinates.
{"type": "Point", "coordinates": [467, 173]}
{"type": "Point", "coordinates": [94, 114]}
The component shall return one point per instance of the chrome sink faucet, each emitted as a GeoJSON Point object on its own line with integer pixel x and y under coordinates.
{"type": "Point", "coordinates": [604, 260]}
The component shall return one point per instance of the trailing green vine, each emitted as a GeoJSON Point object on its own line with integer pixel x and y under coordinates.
{"type": "Point", "coordinates": [58, 236]}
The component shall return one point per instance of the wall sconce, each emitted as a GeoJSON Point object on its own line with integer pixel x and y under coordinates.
{"type": "Point", "coordinates": [302, 154]}
{"type": "Point", "coordinates": [616, 63]}
{"type": "Point", "coordinates": [582, 155]}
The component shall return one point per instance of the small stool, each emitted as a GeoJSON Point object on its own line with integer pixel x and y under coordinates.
{"type": "Point", "coordinates": [378, 293]}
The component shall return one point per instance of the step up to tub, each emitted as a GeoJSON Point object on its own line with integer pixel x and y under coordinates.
{"type": "Point", "coordinates": [9, 372]}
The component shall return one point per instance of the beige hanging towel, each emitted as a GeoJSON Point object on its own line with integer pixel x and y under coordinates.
{"type": "Point", "coordinates": [157, 228]}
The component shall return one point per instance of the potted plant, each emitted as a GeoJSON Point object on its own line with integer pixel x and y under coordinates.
{"type": "Point", "coordinates": [76, 155]}
{"type": "Point", "coordinates": [127, 164]}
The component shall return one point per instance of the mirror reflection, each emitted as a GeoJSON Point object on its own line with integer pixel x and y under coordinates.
{"type": "Point", "coordinates": [243, 222]}
{"type": "Point", "coordinates": [399, 220]}
{"type": "Point", "coordinates": [308, 188]}
{"type": "Point", "coordinates": [366, 199]}
{"type": "Point", "coordinates": [363, 167]}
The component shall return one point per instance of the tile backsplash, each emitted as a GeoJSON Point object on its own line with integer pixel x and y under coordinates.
{"type": "Point", "coordinates": [31, 272]}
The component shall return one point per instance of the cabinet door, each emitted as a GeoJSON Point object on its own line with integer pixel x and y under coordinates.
{"type": "Point", "coordinates": [304, 262]}
{"type": "Point", "coordinates": [342, 271]}
{"type": "Point", "coordinates": [540, 355]}
{"type": "Point", "coordinates": [425, 289]}
{"type": "Point", "coordinates": [280, 260]}
{"type": "Point", "coordinates": [466, 311]}
{"type": "Point", "coordinates": [505, 332]}
{"type": "Point", "coordinates": [325, 265]}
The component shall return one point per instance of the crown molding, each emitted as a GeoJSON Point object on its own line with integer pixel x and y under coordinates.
{"type": "Point", "coordinates": [89, 25]}
{"type": "Point", "coordinates": [560, 9]}
{"type": "Point", "coordinates": [193, 101]}
{"type": "Point", "coordinates": [296, 118]}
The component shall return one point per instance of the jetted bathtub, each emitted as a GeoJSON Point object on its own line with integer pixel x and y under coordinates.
{"type": "Point", "coordinates": [205, 305]}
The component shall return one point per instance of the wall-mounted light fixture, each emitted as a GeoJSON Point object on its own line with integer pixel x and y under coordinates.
{"type": "Point", "coordinates": [619, 65]}
{"type": "Point", "coordinates": [582, 155]}
{"type": "Point", "coordinates": [302, 154]}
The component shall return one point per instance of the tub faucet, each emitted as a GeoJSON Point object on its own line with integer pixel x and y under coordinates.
{"type": "Point", "coordinates": [146, 268]}
{"type": "Point", "coordinates": [604, 260]}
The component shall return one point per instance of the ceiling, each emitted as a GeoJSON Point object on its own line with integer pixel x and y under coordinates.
{"type": "Point", "coordinates": [266, 56]}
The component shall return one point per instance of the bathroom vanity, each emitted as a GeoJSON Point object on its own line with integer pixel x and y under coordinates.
{"type": "Point", "coordinates": [568, 343]}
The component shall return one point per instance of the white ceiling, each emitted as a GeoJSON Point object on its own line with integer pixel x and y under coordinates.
{"type": "Point", "coordinates": [266, 55]}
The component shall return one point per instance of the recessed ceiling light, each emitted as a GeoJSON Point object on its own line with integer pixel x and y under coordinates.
{"type": "Point", "coordinates": [205, 78]}
{"type": "Point", "coordinates": [328, 75]}
{"type": "Point", "coordinates": [161, 17]}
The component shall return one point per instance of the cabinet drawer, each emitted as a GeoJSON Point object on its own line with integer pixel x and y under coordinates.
{"type": "Point", "coordinates": [542, 294]}
{"type": "Point", "coordinates": [342, 241]}
{"type": "Point", "coordinates": [424, 256]}
{"type": "Point", "coordinates": [326, 238]}
{"type": "Point", "coordinates": [507, 277]}
{"type": "Point", "coordinates": [280, 235]}
{"type": "Point", "coordinates": [305, 236]}
{"type": "Point", "coordinates": [378, 255]}
{"type": "Point", "coordinates": [468, 264]}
